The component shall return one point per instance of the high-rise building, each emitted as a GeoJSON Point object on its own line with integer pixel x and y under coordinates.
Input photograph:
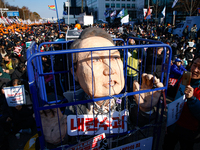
{"type": "Point", "coordinates": [98, 7]}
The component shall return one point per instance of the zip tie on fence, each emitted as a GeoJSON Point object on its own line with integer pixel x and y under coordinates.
{"type": "Point", "coordinates": [119, 101]}
{"type": "Point", "coordinates": [31, 82]}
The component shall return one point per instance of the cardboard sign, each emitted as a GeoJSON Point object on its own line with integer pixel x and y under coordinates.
{"type": "Point", "coordinates": [94, 143]}
{"type": "Point", "coordinates": [174, 110]}
{"type": "Point", "coordinates": [15, 95]}
{"type": "Point", "coordinates": [144, 144]}
{"type": "Point", "coordinates": [91, 124]}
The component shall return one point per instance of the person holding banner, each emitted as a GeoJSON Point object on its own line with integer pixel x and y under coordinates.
{"type": "Point", "coordinates": [18, 116]}
{"type": "Point", "coordinates": [187, 128]}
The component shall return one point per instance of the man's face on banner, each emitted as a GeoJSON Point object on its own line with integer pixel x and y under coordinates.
{"type": "Point", "coordinates": [106, 75]}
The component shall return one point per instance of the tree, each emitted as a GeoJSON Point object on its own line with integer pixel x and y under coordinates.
{"type": "Point", "coordinates": [157, 6]}
{"type": "Point", "coordinates": [190, 6]}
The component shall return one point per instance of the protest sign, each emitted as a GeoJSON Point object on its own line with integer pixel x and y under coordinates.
{"type": "Point", "coordinates": [96, 143]}
{"type": "Point", "coordinates": [90, 124]}
{"type": "Point", "coordinates": [144, 144]}
{"type": "Point", "coordinates": [174, 110]}
{"type": "Point", "coordinates": [15, 95]}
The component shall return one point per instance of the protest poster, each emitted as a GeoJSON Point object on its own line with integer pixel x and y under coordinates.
{"type": "Point", "coordinates": [15, 95]}
{"type": "Point", "coordinates": [144, 144]}
{"type": "Point", "coordinates": [95, 143]}
{"type": "Point", "coordinates": [91, 124]}
{"type": "Point", "coordinates": [174, 110]}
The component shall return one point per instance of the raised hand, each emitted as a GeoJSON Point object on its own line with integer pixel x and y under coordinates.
{"type": "Point", "coordinates": [145, 100]}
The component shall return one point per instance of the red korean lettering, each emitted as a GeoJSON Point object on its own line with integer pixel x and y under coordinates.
{"type": "Point", "coordinates": [88, 123]}
{"type": "Point", "coordinates": [94, 144]}
{"type": "Point", "coordinates": [72, 125]}
{"type": "Point", "coordinates": [87, 147]}
{"type": "Point", "coordinates": [123, 122]}
{"type": "Point", "coordinates": [137, 145]}
{"type": "Point", "coordinates": [116, 122]}
{"type": "Point", "coordinates": [96, 122]}
{"type": "Point", "coordinates": [103, 124]}
{"type": "Point", "coordinates": [132, 146]}
{"type": "Point", "coordinates": [81, 124]}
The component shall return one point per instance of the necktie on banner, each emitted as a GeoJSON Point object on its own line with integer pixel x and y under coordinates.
{"type": "Point", "coordinates": [174, 3]}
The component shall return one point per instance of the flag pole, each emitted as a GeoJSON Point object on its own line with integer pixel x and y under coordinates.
{"type": "Point", "coordinates": [57, 17]}
{"type": "Point", "coordinates": [147, 12]}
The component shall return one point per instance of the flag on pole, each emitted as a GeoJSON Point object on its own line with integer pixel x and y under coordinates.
{"type": "Point", "coordinates": [106, 14]}
{"type": "Point", "coordinates": [125, 12]}
{"type": "Point", "coordinates": [114, 13]}
{"type": "Point", "coordinates": [163, 12]}
{"type": "Point", "coordinates": [4, 19]}
{"type": "Point", "coordinates": [8, 20]}
{"type": "Point", "coordinates": [125, 19]}
{"type": "Point", "coordinates": [145, 11]}
{"type": "Point", "coordinates": [52, 7]}
{"type": "Point", "coordinates": [18, 20]}
{"type": "Point", "coordinates": [174, 3]}
{"type": "Point", "coordinates": [148, 15]}
{"type": "Point", "coordinates": [121, 13]}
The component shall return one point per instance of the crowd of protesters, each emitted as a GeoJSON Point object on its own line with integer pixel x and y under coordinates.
{"type": "Point", "coordinates": [13, 62]}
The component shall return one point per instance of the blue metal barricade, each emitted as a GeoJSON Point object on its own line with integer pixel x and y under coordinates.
{"type": "Point", "coordinates": [63, 81]}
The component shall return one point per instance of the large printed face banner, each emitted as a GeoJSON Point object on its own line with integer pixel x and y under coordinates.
{"type": "Point", "coordinates": [91, 124]}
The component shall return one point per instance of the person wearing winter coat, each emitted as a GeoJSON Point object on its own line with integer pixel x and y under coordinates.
{"type": "Point", "coordinates": [177, 69]}
{"type": "Point", "coordinates": [186, 129]}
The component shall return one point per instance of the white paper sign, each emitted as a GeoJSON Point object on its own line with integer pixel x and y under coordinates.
{"type": "Point", "coordinates": [174, 110]}
{"type": "Point", "coordinates": [144, 144]}
{"type": "Point", "coordinates": [87, 124]}
{"type": "Point", "coordinates": [15, 95]}
{"type": "Point", "coordinates": [93, 143]}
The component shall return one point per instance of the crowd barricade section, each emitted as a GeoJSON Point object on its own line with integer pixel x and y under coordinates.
{"type": "Point", "coordinates": [62, 91]}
